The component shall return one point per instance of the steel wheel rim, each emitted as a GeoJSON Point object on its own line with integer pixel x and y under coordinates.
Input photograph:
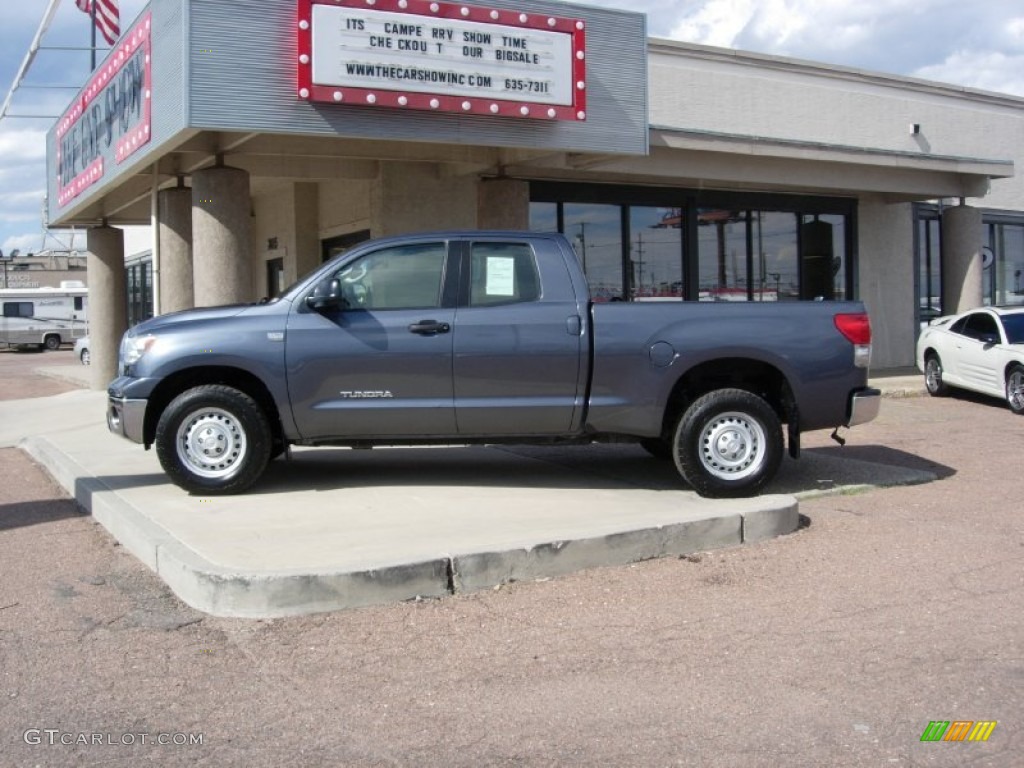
{"type": "Point", "coordinates": [732, 446]}
{"type": "Point", "coordinates": [211, 443]}
{"type": "Point", "coordinates": [1015, 390]}
{"type": "Point", "coordinates": [933, 374]}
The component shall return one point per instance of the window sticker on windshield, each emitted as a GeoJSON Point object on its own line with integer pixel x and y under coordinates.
{"type": "Point", "coordinates": [501, 276]}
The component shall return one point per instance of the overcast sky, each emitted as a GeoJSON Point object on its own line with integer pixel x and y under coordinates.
{"type": "Point", "coordinates": [979, 44]}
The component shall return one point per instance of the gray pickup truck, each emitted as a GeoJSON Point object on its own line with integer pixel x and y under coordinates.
{"type": "Point", "coordinates": [486, 337]}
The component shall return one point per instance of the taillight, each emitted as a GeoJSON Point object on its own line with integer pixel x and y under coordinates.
{"type": "Point", "coordinates": [856, 327]}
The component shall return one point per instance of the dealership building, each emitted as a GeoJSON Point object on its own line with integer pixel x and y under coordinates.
{"type": "Point", "coordinates": [260, 139]}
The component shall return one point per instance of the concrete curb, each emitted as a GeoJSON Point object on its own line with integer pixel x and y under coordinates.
{"type": "Point", "coordinates": [222, 591]}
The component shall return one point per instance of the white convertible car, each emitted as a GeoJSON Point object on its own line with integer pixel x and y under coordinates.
{"type": "Point", "coordinates": [981, 350]}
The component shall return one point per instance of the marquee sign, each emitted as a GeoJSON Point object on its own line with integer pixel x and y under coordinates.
{"type": "Point", "coordinates": [109, 119]}
{"type": "Point", "coordinates": [445, 57]}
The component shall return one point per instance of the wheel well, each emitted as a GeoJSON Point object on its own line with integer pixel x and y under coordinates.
{"type": "Point", "coordinates": [176, 383]}
{"type": "Point", "coordinates": [757, 377]}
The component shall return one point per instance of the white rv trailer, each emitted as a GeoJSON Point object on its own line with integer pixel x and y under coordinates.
{"type": "Point", "coordinates": [44, 317]}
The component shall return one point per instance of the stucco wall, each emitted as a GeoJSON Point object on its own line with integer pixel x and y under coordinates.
{"type": "Point", "coordinates": [275, 219]}
{"type": "Point", "coordinates": [421, 197]}
{"type": "Point", "coordinates": [722, 91]}
{"type": "Point", "coordinates": [344, 206]}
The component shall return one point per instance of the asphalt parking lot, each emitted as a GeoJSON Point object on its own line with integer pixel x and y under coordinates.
{"type": "Point", "coordinates": [834, 646]}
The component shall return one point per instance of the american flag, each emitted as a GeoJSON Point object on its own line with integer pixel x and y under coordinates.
{"type": "Point", "coordinates": [107, 21]}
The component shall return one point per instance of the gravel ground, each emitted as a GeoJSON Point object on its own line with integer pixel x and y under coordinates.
{"type": "Point", "coordinates": [834, 646]}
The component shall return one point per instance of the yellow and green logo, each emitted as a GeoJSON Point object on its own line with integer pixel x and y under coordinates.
{"type": "Point", "coordinates": [958, 730]}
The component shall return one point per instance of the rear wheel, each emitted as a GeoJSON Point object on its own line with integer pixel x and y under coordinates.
{"type": "Point", "coordinates": [52, 342]}
{"type": "Point", "coordinates": [933, 376]}
{"type": "Point", "coordinates": [213, 439]}
{"type": "Point", "coordinates": [728, 443]}
{"type": "Point", "coordinates": [1015, 389]}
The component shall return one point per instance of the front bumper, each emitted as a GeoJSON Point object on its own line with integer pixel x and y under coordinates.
{"type": "Point", "coordinates": [863, 407]}
{"type": "Point", "coordinates": [126, 417]}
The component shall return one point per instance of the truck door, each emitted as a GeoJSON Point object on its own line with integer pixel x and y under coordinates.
{"type": "Point", "coordinates": [381, 364]}
{"type": "Point", "coordinates": [518, 341]}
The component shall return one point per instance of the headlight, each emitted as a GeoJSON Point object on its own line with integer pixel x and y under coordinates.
{"type": "Point", "coordinates": [134, 347]}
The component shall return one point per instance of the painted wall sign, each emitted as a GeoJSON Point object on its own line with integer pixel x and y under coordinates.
{"type": "Point", "coordinates": [110, 119]}
{"type": "Point", "coordinates": [446, 57]}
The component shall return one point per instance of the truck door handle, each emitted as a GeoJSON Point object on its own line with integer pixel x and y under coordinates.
{"type": "Point", "coordinates": [427, 327]}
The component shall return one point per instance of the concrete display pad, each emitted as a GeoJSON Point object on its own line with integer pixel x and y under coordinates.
{"type": "Point", "coordinates": [331, 529]}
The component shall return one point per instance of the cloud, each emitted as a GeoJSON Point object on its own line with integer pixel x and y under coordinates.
{"type": "Point", "coordinates": [993, 71]}
{"type": "Point", "coordinates": [977, 45]}
{"type": "Point", "coordinates": [21, 147]}
{"type": "Point", "coordinates": [24, 243]}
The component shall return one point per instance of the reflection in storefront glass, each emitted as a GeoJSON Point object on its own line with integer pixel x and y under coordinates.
{"type": "Point", "coordinates": [776, 266]}
{"type": "Point", "coordinates": [655, 266]}
{"type": "Point", "coordinates": [930, 274]}
{"type": "Point", "coordinates": [544, 217]}
{"type": "Point", "coordinates": [822, 258]}
{"type": "Point", "coordinates": [722, 254]}
{"type": "Point", "coordinates": [1003, 278]}
{"type": "Point", "coordinates": [596, 233]}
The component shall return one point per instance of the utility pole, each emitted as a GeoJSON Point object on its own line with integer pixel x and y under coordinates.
{"type": "Point", "coordinates": [640, 264]}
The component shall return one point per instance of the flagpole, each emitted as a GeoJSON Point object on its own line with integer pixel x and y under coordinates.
{"type": "Point", "coordinates": [92, 16]}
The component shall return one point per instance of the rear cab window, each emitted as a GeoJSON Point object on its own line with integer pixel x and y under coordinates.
{"type": "Point", "coordinates": [502, 273]}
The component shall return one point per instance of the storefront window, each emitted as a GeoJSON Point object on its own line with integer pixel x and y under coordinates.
{"type": "Point", "coordinates": [1003, 275]}
{"type": "Point", "coordinates": [596, 233]}
{"type": "Point", "coordinates": [544, 217]}
{"type": "Point", "coordinates": [641, 244]}
{"type": "Point", "coordinates": [775, 268]}
{"type": "Point", "coordinates": [822, 257]}
{"type": "Point", "coordinates": [655, 253]}
{"type": "Point", "coordinates": [929, 269]}
{"type": "Point", "coordinates": [722, 254]}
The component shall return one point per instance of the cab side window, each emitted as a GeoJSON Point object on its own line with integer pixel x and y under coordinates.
{"type": "Point", "coordinates": [401, 277]}
{"type": "Point", "coordinates": [502, 273]}
{"type": "Point", "coordinates": [981, 326]}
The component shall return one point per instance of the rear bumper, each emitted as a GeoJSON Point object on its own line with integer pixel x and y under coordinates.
{"type": "Point", "coordinates": [863, 406]}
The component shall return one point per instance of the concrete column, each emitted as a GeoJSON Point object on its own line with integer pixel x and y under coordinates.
{"type": "Point", "coordinates": [307, 224]}
{"type": "Point", "coordinates": [221, 237]}
{"type": "Point", "coordinates": [962, 238]}
{"type": "Point", "coordinates": [108, 310]}
{"type": "Point", "coordinates": [885, 235]}
{"type": "Point", "coordinates": [175, 234]}
{"type": "Point", "coordinates": [503, 204]}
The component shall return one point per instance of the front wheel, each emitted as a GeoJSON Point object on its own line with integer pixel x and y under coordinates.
{"type": "Point", "coordinates": [728, 444]}
{"type": "Point", "coordinates": [1015, 389]}
{"type": "Point", "coordinates": [52, 342]}
{"type": "Point", "coordinates": [933, 376]}
{"type": "Point", "coordinates": [213, 439]}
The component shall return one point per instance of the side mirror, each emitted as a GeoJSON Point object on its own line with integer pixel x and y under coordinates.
{"type": "Point", "coordinates": [326, 296]}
